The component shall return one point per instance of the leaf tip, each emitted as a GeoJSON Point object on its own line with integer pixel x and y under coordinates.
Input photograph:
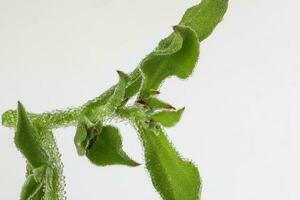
{"type": "Point", "coordinates": [20, 109]}
{"type": "Point", "coordinates": [157, 92]}
{"type": "Point", "coordinates": [121, 73]}
{"type": "Point", "coordinates": [169, 106]}
{"type": "Point", "coordinates": [134, 164]}
{"type": "Point", "coordinates": [174, 28]}
{"type": "Point", "coordinates": [20, 105]}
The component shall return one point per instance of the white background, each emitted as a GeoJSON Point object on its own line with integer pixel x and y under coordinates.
{"type": "Point", "coordinates": [241, 124]}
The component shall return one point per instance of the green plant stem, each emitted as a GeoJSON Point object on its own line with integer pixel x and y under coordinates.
{"type": "Point", "coordinates": [69, 117]}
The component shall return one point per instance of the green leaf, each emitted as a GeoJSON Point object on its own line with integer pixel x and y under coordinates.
{"type": "Point", "coordinates": [173, 177]}
{"type": "Point", "coordinates": [173, 57]}
{"type": "Point", "coordinates": [38, 146]}
{"type": "Point", "coordinates": [155, 103]}
{"type": "Point", "coordinates": [167, 118]}
{"type": "Point", "coordinates": [31, 189]}
{"type": "Point", "coordinates": [26, 140]}
{"type": "Point", "coordinates": [118, 96]}
{"type": "Point", "coordinates": [204, 17]}
{"type": "Point", "coordinates": [169, 45]}
{"type": "Point", "coordinates": [133, 87]}
{"type": "Point", "coordinates": [107, 149]}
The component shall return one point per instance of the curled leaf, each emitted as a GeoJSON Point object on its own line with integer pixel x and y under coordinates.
{"type": "Point", "coordinates": [173, 57]}
{"type": "Point", "coordinates": [107, 149]}
{"type": "Point", "coordinates": [170, 44]}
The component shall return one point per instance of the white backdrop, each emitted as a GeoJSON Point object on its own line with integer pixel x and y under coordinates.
{"type": "Point", "coordinates": [241, 124]}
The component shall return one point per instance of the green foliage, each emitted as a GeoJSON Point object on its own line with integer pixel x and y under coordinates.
{"type": "Point", "coordinates": [204, 17]}
{"type": "Point", "coordinates": [172, 57]}
{"type": "Point", "coordinates": [39, 149]}
{"type": "Point", "coordinates": [26, 140]}
{"type": "Point", "coordinates": [167, 118]}
{"type": "Point", "coordinates": [107, 149]}
{"type": "Point", "coordinates": [118, 96]}
{"type": "Point", "coordinates": [174, 177]}
{"type": "Point", "coordinates": [155, 103]}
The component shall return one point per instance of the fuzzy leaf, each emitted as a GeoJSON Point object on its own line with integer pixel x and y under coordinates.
{"type": "Point", "coordinates": [169, 45]}
{"type": "Point", "coordinates": [204, 17]}
{"type": "Point", "coordinates": [167, 118]}
{"type": "Point", "coordinates": [26, 140]}
{"type": "Point", "coordinates": [173, 57]}
{"type": "Point", "coordinates": [133, 87]}
{"type": "Point", "coordinates": [49, 178]}
{"type": "Point", "coordinates": [118, 96]}
{"type": "Point", "coordinates": [173, 177]}
{"type": "Point", "coordinates": [38, 146]}
{"type": "Point", "coordinates": [155, 103]}
{"type": "Point", "coordinates": [107, 149]}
